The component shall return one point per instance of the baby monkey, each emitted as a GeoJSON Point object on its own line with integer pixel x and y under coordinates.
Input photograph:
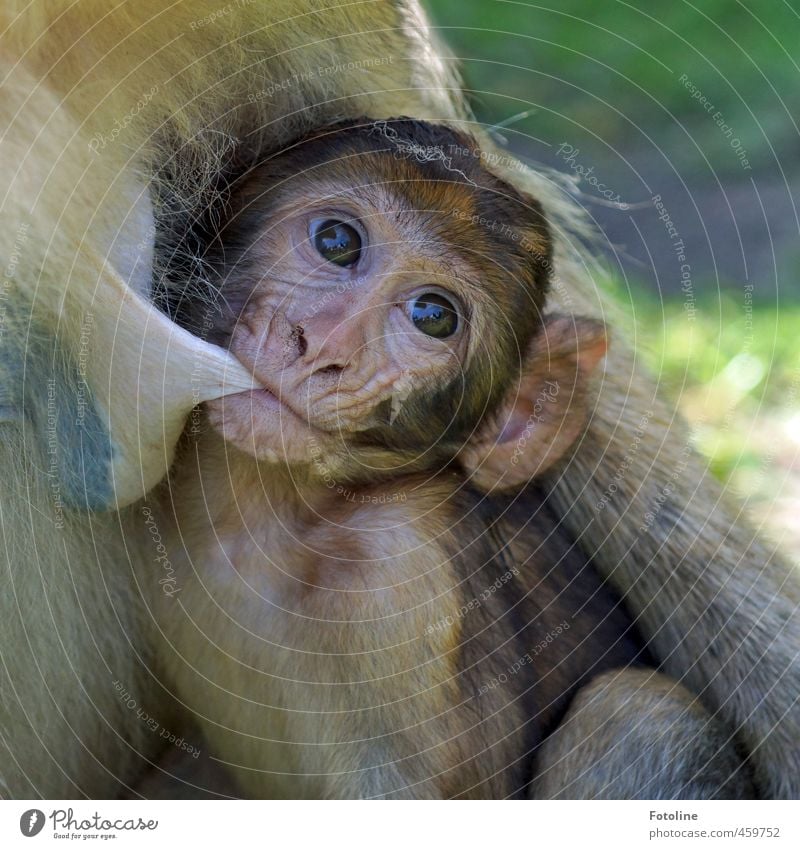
{"type": "Point", "coordinates": [370, 599]}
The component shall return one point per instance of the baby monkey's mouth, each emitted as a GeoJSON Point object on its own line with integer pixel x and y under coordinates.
{"type": "Point", "coordinates": [268, 395]}
{"type": "Point", "coordinates": [266, 399]}
{"type": "Point", "coordinates": [259, 423]}
{"type": "Point", "coordinates": [330, 405]}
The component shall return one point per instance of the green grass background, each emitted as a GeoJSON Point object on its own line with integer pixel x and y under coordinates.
{"type": "Point", "coordinates": [605, 63]}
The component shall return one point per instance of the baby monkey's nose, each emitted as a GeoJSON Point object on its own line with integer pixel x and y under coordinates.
{"type": "Point", "coordinates": [299, 337]}
{"type": "Point", "coordinates": [326, 342]}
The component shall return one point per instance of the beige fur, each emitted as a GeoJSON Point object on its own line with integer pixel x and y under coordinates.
{"type": "Point", "coordinates": [263, 653]}
{"type": "Point", "coordinates": [70, 627]}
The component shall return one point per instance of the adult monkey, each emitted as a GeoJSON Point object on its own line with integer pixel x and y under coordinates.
{"type": "Point", "coordinates": [116, 115]}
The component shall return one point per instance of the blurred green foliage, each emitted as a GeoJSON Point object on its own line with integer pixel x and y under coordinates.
{"type": "Point", "coordinates": [614, 67]}
{"type": "Point", "coordinates": [735, 370]}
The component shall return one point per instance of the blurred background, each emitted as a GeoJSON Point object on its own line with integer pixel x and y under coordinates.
{"type": "Point", "coordinates": [678, 126]}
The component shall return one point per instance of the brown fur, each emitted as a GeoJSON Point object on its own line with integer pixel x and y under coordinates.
{"type": "Point", "coordinates": [716, 603]}
{"type": "Point", "coordinates": [332, 663]}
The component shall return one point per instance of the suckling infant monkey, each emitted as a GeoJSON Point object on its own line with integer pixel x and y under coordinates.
{"type": "Point", "coordinates": [370, 600]}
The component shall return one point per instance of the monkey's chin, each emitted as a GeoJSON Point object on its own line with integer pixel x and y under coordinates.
{"type": "Point", "coordinates": [258, 423]}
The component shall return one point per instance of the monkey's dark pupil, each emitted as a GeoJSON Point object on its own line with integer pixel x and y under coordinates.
{"type": "Point", "coordinates": [337, 242]}
{"type": "Point", "coordinates": [434, 315]}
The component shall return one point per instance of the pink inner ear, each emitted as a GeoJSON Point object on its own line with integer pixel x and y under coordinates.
{"type": "Point", "coordinates": [516, 422]}
{"type": "Point", "coordinates": [568, 356]}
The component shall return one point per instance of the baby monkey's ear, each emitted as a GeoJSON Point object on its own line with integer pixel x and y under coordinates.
{"type": "Point", "coordinates": [545, 412]}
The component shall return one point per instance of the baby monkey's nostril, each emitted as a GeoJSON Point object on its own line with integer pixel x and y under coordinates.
{"type": "Point", "coordinates": [334, 369]}
{"type": "Point", "coordinates": [299, 339]}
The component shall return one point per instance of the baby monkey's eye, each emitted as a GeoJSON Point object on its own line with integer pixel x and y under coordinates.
{"type": "Point", "coordinates": [434, 314]}
{"type": "Point", "coordinates": [336, 241]}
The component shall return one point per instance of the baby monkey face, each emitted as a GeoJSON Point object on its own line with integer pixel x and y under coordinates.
{"type": "Point", "coordinates": [353, 313]}
{"type": "Point", "coordinates": [362, 290]}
